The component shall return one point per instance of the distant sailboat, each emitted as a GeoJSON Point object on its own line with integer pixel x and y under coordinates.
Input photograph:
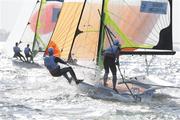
{"type": "Point", "coordinates": [39, 27]}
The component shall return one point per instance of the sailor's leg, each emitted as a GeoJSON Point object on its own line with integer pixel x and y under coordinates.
{"type": "Point", "coordinates": [19, 56]}
{"type": "Point", "coordinates": [22, 56]}
{"type": "Point", "coordinates": [31, 58]}
{"type": "Point", "coordinates": [114, 80]}
{"type": "Point", "coordinates": [105, 78]}
{"type": "Point", "coordinates": [106, 69]}
{"type": "Point", "coordinates": [27, 58]}
{"type": "Point", "coordinates": [71, 71]}
{"type": "Point", "coordinates": [67, 77]}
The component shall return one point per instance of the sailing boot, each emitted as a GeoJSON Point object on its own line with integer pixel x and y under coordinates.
{"type": "Point", "coordinates": [105, 79]}
{"type": "Point", "coordinates": [114, 80]}
{"type": "Point", "coordinates": [78, 81]}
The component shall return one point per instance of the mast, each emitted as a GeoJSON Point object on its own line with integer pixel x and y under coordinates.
{"type": "Point", "coordinates": [77, 30]}
{"type": "Point", "coordinates": [35, 40]}
{"type": "Point", "coordinates": [101, 33]}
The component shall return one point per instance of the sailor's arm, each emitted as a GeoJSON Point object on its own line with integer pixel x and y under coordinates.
{"type": "Point", "coordinates": [59, 60]}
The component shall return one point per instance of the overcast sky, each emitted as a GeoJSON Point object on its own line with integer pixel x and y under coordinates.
{"type": "Point", "coordinates": [9, 12]}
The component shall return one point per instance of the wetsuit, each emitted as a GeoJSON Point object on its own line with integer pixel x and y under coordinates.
{"type": "Point", "coordinates": [17, 53]}
{"type": "Point", "coordinates": [55, 70]}
{"type": "Point", "coordinates": [111, 56]}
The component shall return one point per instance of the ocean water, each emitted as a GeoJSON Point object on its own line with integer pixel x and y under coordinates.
{"type": "Point", "coordinates": [29, 92]}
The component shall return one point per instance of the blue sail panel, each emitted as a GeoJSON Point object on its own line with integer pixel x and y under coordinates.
{"type": "Point", "coordinates": [55, 14]}
{"type": "Point", "coordinates": [153, 7]}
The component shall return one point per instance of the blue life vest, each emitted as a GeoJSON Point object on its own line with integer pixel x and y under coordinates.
{"type": "Point", "coordinates": [26, 50]}
{"type": "Point", "coordinates": [111, 50]}
{"type": "Point", "coordinates": [16, 49]}
{"type": "Point", "coordinates": [50, 63]}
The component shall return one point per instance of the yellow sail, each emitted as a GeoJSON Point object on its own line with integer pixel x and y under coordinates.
{"type": "Point", "coordinates": [77, 30]}
{"type": "Point", "coordinates": [65, 29]}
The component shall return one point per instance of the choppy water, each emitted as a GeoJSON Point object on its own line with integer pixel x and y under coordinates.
{"type": "Point", "coordinates": [29, 93]}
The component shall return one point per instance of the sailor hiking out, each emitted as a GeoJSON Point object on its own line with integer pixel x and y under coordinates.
{"type": "Point", "coordinates": [51, 62]}
{"type": "Point", "coordinates": [111, 59]}
{"type": "Point", "coordinates": [17, 53]}
{"type": "Point", "coordinates": [28, 53]}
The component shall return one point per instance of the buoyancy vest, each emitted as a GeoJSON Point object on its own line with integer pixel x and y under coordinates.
{"type": "Point", "coordinates": [26, 50]}
{"type": "Point", "coordinates": [111, 51]}
{"type": "Point", "coordinates": [16, 49]}
{"type": "Point", "coordinates": [50, 63]}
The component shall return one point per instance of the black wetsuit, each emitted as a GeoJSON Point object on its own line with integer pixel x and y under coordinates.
{"type": "Point", "coordinates": [111, 56]}
{"type": "Point", "coordinates": [61, 71]}
{"type": "Point", "coordinates": [109, 63]}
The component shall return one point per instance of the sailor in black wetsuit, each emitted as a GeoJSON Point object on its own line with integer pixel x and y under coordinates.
{"type": "Point", "coordinates": [111, 59]}
{"type": "Point", "coordinates": [51, 62]}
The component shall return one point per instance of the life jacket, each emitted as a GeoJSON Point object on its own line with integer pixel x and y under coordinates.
{"type": "Point", "coordinates": [16, 49]}
{"type": "Point", "coordinates": [111, 51]}
{"type": "Point", "coordinates": [26, 50]}
{"type": "Point", "coordinates": [50, 63]}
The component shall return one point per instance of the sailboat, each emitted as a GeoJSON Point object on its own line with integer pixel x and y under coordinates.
{"type": "Point", "coordinates": [39, 26]}
{"type": "Point", "coordinates": [86, 27]}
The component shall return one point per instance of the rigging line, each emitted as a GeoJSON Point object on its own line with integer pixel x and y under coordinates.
{"type": "Point", "coordinates": [54, 27]}
{"type": "Point", "coordinates": [140, 18]}
{"type": "Point", "coordinates": [148, 64]}
{"type": "Point", "coordinates": [109, 40]}
{"type": "Point", "coordinates": [82, 66]}
{"type": "Point", "coordinates": [29, 22]}
{"type": "Point", "coordinates": [134, 96]}
{"type": "Point", "coordinates": [77, 32]}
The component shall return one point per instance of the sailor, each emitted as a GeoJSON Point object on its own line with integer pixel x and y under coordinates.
{"type": "Point", "coordinates": [51, 62]}
{"type": "Point", "coordinates": [111, 59]}
{"type": "Point", "coordinates": [28, 53]}
{"type": "Point", "coordinates": [17, 53]}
